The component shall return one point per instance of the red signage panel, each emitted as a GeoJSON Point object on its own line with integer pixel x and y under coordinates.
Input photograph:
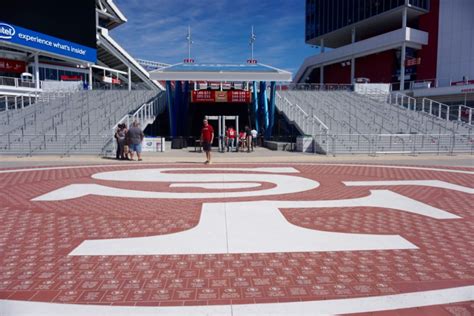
{"type": "Point", "coordinates": [237, 96]}
{"type": "Point", "coordinates": [462, 83]}
{"type": "Point", "coordinates": [71, 78]}
{"type": "Point", "coordinates": [203, 96]}
{"type": "Point", "coordinates": [211, 96]}
{"type": "Point", "coordinates": [12, 66]}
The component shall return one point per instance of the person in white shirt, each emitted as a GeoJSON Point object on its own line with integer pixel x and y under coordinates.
{"type": "Point", "coordinates": [254, 134]}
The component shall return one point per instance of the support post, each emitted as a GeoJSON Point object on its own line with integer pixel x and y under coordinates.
{"type": "Point", "coordinates": [169, 97]}
{"type": "Point", "coordinates": [255, 105]}
{"type": "Point", "coordinates": [321, 72]}
{"type": "Point", "coordinates": [403, 53]}
{"type": "Point", "coordinates": [90, 77]}
{"type": "Point", "coordinates": [353, 59]}
{"type": "Point", "coordinates": [37, 76]}
{"type": "Point", "coordinates": [129, 79]}
{"type": "Point", "coordinates": [402, 67]}
{"type": "Point", "coordinates": [271, 110]}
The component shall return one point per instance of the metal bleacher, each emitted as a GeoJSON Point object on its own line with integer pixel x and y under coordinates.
{"type": "Point", "coordinates": [79, 122]}
{"type": "Point", "coordinates": [343, 121]}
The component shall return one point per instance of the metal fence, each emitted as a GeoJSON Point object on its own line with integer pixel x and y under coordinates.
{"type": "Point", "coordinates": [61, 144]}
{"type": "Point", "coordinates": [373, 144]}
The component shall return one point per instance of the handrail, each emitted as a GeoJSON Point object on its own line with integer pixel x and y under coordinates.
{"type": "Point", "coordinates": [315, 86]}
{"type": "Point", "coordinates": [16, 82]}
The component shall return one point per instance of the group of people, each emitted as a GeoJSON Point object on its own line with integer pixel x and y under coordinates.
{"type": "Point", "coordinates": [129, 141]}
{"type": "Point", "coordinates": [245, 140]}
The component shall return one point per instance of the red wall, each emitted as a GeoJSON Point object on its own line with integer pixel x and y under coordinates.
{"type": "Point", "coordinates": [429, 53]}
{"type": "Point", "coordinates": [336, 73]}
{"type": "Point", "coordinates": [379, 68]}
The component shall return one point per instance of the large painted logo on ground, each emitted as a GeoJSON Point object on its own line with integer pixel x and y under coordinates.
{"type": "Point", "coordinates": [245, 227]}
{"type": "Point", "coordinates": [157, 235]}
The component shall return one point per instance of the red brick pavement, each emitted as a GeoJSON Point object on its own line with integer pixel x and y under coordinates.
{"type": "Point", "coordinates": [36, 238]}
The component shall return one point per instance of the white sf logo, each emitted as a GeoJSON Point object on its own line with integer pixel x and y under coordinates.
{"type": "Point", "coordinates": [240, 227]}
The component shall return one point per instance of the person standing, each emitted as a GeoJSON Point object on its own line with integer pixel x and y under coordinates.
{"type": "Point", "coordinates": [230, 133]}
{"type": "Point", "coordinates": [248, 137]}
{"type": "Point", "coordinates": [119, 151]}
{"type": "Point", "coordinates": [254, 138]}
{"type": "Point", "coordinates": [207, 136]}
{"type": "Point", "coordinates": [120, 136]}
{"type": "Point", "coordinates": [135, 137]}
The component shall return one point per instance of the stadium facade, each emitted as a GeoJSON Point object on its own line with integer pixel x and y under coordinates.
{"type": "Point", "coordinates": [415, 45]}
{"type": "Point", "coordinates": [76, 49]}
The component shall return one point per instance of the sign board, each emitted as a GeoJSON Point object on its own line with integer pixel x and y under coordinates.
{"type": "Point", "coordinates": [409, 62]}
{"type": "Point", "coordinates": [111, 80]}
{"type": "Point", "coordinates": [462, 83]}
{"type": "Point", "coordinates": [153, 144]}
{"type": "Point", "coordinates": [12, 66]}
{"type": "Point", "coordinates": [220, 96]}
{"type": "Point", "coordinates": [211, 96]}
{"type": "Point", "coordinates": [71, 78]}
{"type": "Point", "coordinates": [422, 85]}
{"type": "Point", "coordinates": [304, 144]}
{"type": "Point", "coordinates": [21, 36]}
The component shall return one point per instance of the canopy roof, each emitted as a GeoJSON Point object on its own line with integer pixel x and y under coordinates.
{"type": "Point", "coordinates": [220, 72]}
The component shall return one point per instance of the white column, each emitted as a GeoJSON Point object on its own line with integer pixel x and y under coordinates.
{"type": "Point", "coordinates": [353, 59]}
{"type": "Point", "coordinates": [402, 67]}
{"type": "Point", "coordinates": [37, 76]}
{"type": "Point", "coordinates": [129, 79]}
{"type": "Point", "coordinates": [404, 48]}
{"type": "Point", "coordinates": [404, 17]}
{"type": "Point", "coordinates": [321, 69]}
{"type": "Point", "coordinates": [90, 77]}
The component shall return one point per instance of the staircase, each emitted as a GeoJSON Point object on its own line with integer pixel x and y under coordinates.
{"type": "Point", "coordinates": [79, 122]}
{"type": "Point", "coordinates": [347, 122]}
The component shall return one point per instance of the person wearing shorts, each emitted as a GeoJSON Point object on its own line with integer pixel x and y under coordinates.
{"type": "Point", "coordinates": [135, 137]}
{"type": "Point", "coordinates": [207, 136]}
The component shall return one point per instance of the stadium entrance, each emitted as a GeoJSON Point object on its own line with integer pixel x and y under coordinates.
{"type": "Point", "coordinates": [223, 123]}
{"type": "Point", "coordinates": [231, 94]}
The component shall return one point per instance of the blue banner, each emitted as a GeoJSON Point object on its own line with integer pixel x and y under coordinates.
{"type": "Point", "coordinates": [21, 36]}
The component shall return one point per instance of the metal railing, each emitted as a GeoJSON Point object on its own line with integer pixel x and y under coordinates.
{"type": "Point", "coordinates": [16, 82]}
{"type": "Point", "coordinates": [414, 144]}
{"type": "Point", "coordinates": [316, 87]}
{"type": "Point", "coordinates": [359, 124]}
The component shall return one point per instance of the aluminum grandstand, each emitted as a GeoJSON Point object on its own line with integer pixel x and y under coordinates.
{"type": "Point", "coordinates": [63, 93]}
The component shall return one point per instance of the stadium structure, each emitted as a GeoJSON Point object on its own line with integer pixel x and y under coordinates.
{"type": "Point", "coordinates": [384, 82]}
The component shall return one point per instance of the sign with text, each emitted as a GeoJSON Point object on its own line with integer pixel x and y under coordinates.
{"type": "Point", "coordinates": [12, 66]}
{"type": "Point", "coordinates": [211, 96]}
{"type": "Point", "coordinates": [203, 96]}
{"type": "Point", "coordinates": [462, 83]}
{"type": "Point", "coordinates": [153, 144]}
{"type": "Point", "coordinates": [21, 36]}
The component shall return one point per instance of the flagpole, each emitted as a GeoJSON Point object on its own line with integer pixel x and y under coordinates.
{"type": "Point", "coordinates": [252, 39]}
{"type": "Point", "coordinates": [189, 43]}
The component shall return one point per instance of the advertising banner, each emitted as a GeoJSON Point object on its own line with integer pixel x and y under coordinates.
{"type": "Point", "coordinates": [12, 66]}
{"type": "Point", "coordinates": [221, 96]}
{"type": "Point", "coordinates": [21, 36]}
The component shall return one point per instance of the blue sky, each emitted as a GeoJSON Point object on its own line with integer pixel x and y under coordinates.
{"type": "Point", "coordinates": [156, 30]}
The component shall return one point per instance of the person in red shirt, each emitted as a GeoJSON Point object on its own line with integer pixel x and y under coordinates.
{"type": "Point", "coordinates": [207, 136]}
{"type": "Point", "coordinates": [231, 133]}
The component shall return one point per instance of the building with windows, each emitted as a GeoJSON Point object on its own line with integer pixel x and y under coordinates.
{"type": "Point", "coordinates": [77, 48]}
{"type": "Point", "coordinates": [412, 44]}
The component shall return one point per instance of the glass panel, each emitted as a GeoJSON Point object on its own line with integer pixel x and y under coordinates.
{"type": "Point", "coordinates": [324, 16]}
